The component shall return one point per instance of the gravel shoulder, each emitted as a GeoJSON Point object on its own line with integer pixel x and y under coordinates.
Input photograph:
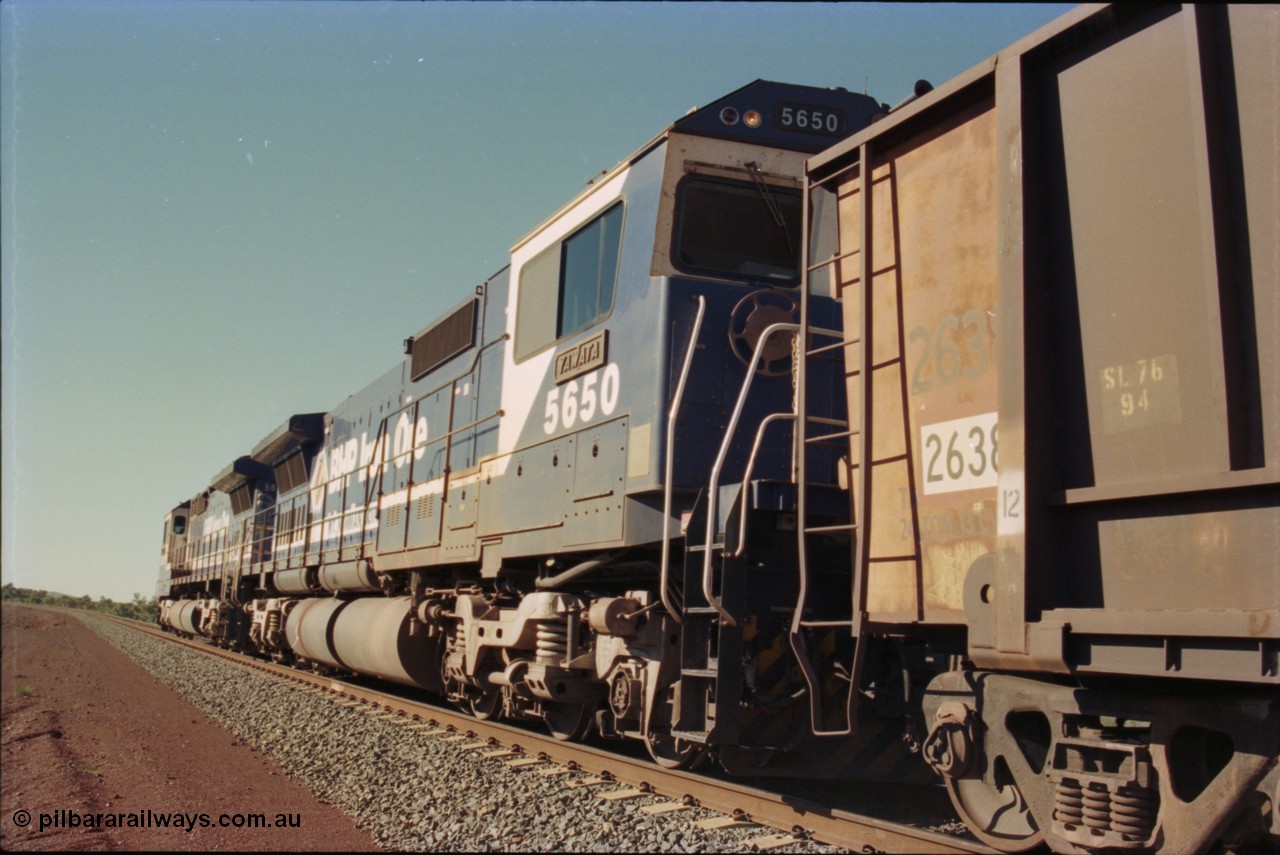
{"type": "Point", "coordinates": [406, 790]}
{"type": "Point", "coordinates": [87, 731]}
{"type": "Point", "coordinates": [415, 792]}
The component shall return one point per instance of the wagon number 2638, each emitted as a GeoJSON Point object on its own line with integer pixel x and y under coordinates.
{"type": "Point", "coordinates": [963, 454]}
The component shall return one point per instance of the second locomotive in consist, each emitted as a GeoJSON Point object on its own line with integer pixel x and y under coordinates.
{"type": "Point", "coordinates": [951, 450]}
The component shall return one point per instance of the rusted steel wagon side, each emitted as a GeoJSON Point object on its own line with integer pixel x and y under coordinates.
{"type": "Point", "coordinates": [1058, 275]}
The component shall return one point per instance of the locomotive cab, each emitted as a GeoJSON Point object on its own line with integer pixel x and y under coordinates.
{"type": "Point", "coordinates": [172, 554]}
{"type": "Point", "coordinates": [173, 547]}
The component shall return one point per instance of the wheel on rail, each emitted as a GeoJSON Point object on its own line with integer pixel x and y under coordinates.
{"type": "Point", "coordinates": [567, 722]}
{"type": "Point", "coordinates": [996, 814]}
{"type": "Point", "coordinates": [670, 752]}
{"type": "Point", "coordinates": [487, 706]}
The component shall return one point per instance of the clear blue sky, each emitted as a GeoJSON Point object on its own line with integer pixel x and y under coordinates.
{"type": "Point", "coordinates": [217, 214]}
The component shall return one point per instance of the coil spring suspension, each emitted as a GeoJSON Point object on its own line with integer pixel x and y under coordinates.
{"type": "Point", "coordinates": [552, 641]}
{"type": "Point", "coordinates": [1097, 806]}
{"type": "Point", "coordinates": [209, 614]}
{"type": "Point", "coordinates": [458, 650]}
{"type": "Point", "coordinates": [1133, 812]}
{"type": "Point", "coordinates": [1068, 802]}
{"type": "Point", "coordinates": [1128, 811]}
{"type": "Point", "coordinates": [273, 627]}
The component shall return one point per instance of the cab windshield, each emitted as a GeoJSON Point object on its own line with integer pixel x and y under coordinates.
{"type": "Point", "coordinates": [738, 229]}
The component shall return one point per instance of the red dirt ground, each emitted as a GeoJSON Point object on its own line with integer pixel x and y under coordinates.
{"type": "Point", "coordinates": [87, 731]}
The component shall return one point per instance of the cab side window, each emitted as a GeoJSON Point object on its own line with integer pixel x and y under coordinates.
{"type": "Point", "coordinates": [571, 285]}
{"type": "Point", "coordinates": [589, 271]}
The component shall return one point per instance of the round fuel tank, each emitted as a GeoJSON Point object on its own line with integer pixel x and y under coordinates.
{"type": "Point", "coordinates": [354, 576]}
{"type": "Point", "coordinates": [307, 629]}
{"type": "Point", "coordinates": [185, 616]}
{"type": "Point", "coordinates": [291, 581]}
{"type": "Point", "coordinates": [371, 636]}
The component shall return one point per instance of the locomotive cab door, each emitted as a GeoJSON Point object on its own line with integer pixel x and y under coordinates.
{"type": "Point", "coordinates": [173, 552]}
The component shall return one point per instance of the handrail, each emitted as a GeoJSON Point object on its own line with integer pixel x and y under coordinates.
{"type": "Point", "coordinates": [232, 574]}
{"type": "Point", "coordinates": [475, 359]}
{"type": "Point", "coordinates": [714, 485]}
{"type": "Point", "coordinates": [377, 460]}
{"type": "Point", "coordinates": [764, 423]}
{"type": "Point", "coordinates": [386, 456]}
{"type": "Point", "coordinates": [751, 465]}
{"type": "Point", "coordinates": [377, 463]}
{"type": "Point", "coordinates": [670, 462]}
{"type": "Point", "coordinates": [496, 414]}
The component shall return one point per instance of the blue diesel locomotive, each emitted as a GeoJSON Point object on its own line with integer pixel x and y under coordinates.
{"type": "Point", "coordinates": [536, 513]}
{"type": "Point", "coordinates": [826, 439]}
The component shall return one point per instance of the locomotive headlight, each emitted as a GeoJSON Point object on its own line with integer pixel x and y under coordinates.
{"type": "Point", "coordinates": [729, 116]}
{"type": "Point", "coordinates": [752, 119]}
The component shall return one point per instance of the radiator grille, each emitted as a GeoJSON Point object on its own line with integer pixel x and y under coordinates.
{"type": "Point", "coordinates": [444, 341]}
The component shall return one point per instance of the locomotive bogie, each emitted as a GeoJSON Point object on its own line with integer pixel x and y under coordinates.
{"type": "Point", "coordinates": [267, 620]}
{"type": "Point", "coordinates": [1129, 769]}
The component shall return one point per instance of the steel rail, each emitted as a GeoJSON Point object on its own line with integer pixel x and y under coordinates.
{"type": "Point", "coordinates": [802, 818]}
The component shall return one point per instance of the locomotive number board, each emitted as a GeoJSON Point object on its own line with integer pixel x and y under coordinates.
{"type": "Point", "coordinates": [810, 119]}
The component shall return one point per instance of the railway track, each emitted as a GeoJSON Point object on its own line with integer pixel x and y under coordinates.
{"type": "Point", "coordinates": [783, 819]}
